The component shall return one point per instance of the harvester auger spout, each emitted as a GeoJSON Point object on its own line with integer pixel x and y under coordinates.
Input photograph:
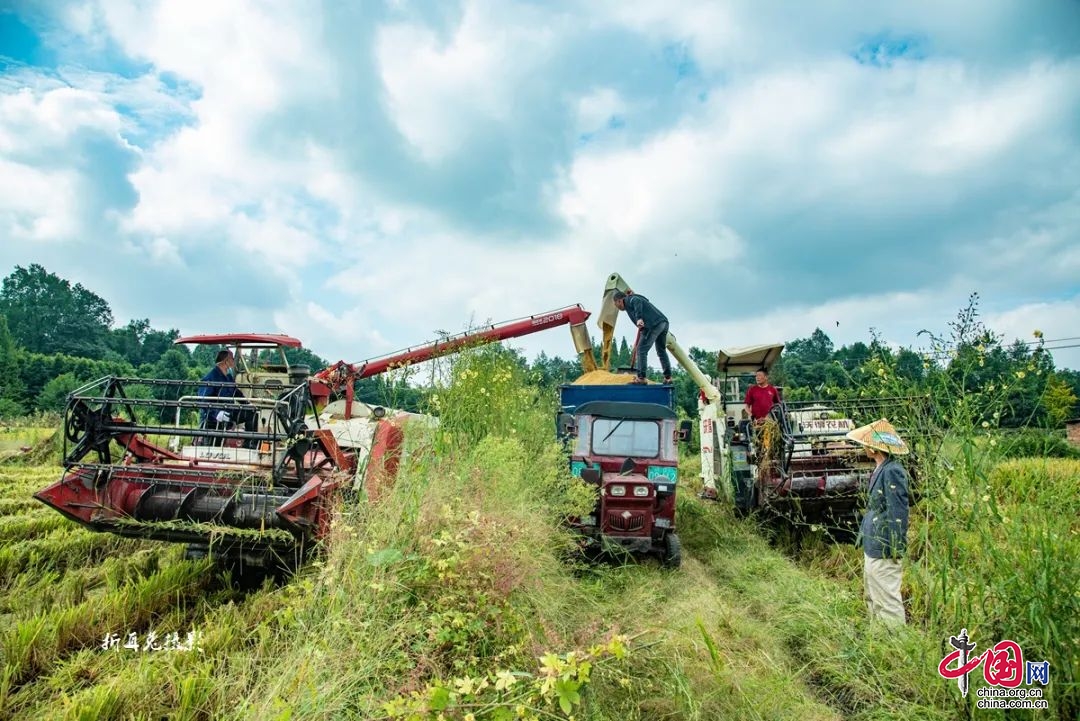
{"type": "Point", "coordinates": [172, 460]}
{"type": "Point", "coordinates": [707, 406]}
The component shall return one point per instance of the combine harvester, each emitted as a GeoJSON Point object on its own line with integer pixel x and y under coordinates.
{"type": "Point", "coordinates": [797, 464]}
{"type": "Point", "coordinates": [256, 498]}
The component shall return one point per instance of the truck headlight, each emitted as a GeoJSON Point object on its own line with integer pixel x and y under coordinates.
{"type": "Point", "coordinates": [662, 523]}
{"type": "Point", "coordinates": [641, 491]}
{"type": "Point", "coordinates": [617, 490]}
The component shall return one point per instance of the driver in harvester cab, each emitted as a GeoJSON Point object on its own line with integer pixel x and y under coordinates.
{"type": "Point", "coordinates": [760, 398]}
{"type": "Point", "coordinates": [213, 418]}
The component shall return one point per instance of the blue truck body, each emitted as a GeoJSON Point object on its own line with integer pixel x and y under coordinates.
{"type": "Point", "coordinates": [572, 396]}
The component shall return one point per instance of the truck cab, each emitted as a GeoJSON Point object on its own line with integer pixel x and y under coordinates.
{"type": "Point", "coordinates": [622, 439]}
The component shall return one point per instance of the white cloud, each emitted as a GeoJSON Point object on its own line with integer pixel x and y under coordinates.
{"type": "Point", "coordinates": [1058, 321]}
{"type": "Point", "coordinates": [723, 205]}
{"type": "Point", "coordinates": [36, 205]}
{"type": "Point", "coordinates": [597, 108]}
{"type": "Point", "coordinates": [439, 93]}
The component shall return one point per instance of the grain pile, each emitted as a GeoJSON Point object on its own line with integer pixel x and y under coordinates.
{"type": "Point", "coordinates": [604, 378]}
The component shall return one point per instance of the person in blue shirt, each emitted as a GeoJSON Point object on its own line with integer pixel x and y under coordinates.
{"type": "Point", "coordinates": [654, 331]}
{"type": "Point", "coordinates": [219, 382]}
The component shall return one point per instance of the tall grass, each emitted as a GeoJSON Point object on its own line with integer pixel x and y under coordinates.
{"type": "Point", "coordinates": [994, 542]}
{"type": "Point", "coordinates": [458, 593]}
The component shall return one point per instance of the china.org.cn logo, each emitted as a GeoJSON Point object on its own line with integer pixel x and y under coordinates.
{"type": "Point", "coordinates": [1011, 681]}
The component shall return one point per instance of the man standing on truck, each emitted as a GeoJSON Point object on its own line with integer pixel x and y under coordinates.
{"type": "Point", "coordinates": [883, 532]}
{"type": "Point", "coordinates": [653, 326]}
{"type": "Point", "coordinates": [762, 396]}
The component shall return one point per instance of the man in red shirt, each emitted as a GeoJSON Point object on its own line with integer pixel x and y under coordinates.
{"type": "Point", "coordinates": [760, 398]}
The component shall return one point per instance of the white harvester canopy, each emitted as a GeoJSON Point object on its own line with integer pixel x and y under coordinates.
{"type": "Point", "coordinates": [748, 359]}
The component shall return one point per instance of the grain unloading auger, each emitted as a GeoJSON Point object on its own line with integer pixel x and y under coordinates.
{"type": "Point", "coordinates": [138, 462]}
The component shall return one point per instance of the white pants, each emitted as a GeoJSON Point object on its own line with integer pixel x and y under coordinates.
{"type": "Point", "coordinates": [882, 576]}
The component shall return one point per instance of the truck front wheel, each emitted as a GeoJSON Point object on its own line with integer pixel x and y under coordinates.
{"type": "Point", "coordinates": [672, 553]}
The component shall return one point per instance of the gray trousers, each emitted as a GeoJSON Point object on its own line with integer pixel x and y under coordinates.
{"type": "Point", "coordinates": [655, 336]}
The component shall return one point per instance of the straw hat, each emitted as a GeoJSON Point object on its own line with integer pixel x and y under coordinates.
{"type": "Point", "coordinates": [881, 436]}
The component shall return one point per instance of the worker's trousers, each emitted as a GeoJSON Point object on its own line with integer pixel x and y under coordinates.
{"type": "Point", "coordinates": [655, 336]}
{"type": "Point", "coordinates": [882, 576]}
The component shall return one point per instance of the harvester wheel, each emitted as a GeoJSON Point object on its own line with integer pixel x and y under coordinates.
{"type": "Point", "coordinates": [672, 557]}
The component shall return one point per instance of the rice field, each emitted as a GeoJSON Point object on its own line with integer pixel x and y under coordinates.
{"type": "Point", "coordinates": [459, 582]}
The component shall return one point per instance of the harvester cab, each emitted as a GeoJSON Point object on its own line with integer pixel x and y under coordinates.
{"type": "Point", "coordinates": [796, 462]}
{"type": "Point", "coordinates": [622, 438]}
{"type": "Point", "coordinates": [263, 376]}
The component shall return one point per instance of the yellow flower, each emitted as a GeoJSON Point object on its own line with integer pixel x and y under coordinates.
{"type": "Point", "coordinates": [1038, 333]}
{"type": "Point", "coordinates": [504, 680]}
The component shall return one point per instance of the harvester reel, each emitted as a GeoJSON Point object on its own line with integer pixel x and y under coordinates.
{"type": "Point", "coordinates": [76, 422]}
{"type": "Point", "coordinates": [85, 427]}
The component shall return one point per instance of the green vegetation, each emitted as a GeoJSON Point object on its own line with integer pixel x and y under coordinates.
{"type": "Point", "coordinates": [459, 595]}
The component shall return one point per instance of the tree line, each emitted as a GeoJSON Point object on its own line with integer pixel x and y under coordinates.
{"type": "Point", "coordinates": [56, 336]}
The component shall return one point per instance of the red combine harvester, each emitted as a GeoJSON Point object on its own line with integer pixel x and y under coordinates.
{"type": "Point", "coordinates": [256, 497]}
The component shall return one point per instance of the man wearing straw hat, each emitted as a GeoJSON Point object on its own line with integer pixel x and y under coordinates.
{"type": "Point", "coordinates": [884, 527]}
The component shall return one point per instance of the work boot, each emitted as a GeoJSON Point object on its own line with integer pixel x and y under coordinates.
{"type": "Point", "coordinates": [667, 380]}
{"type": "Point", "coordinates": [709, 494]}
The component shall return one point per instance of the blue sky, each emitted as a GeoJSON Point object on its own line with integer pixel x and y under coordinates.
{"type": "Point", "coordinates": [362, 175]}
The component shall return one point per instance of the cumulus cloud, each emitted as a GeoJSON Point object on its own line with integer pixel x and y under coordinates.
{"type": "Point", "coordinates": [371, 175]}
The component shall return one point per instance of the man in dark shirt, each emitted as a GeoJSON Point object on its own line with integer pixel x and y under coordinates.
{"type": "Point", "coordinates": [761, 397]}
{"type": "Point", "coordinates": [654, 331]}
{"type": "Point", "coordinates": [217, 417]}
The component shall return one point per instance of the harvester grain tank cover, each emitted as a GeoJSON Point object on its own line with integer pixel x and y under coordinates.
{"type": "Point", "coordinates": [748, 359]}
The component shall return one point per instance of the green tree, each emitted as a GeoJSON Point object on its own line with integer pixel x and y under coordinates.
{"type": "Point", "coordinates": [818, 348]}
{"type": "Point", "coordinates": [622, 357]}
{"type": "Point", "coordinates": [11, 385]}
{"type": "Point", "coordinates": [37, 369]}
{"type": "Point", "coordinates": [552, 371]}
{"type": "Point", "coordinates": [47, 314]}
{"type": "Point", "coordinates": [1072, 378]}
{"type": "Point", "coordinates": [54, 395]}
{"type": "Point", "coordinates": [138, 343]}
{"type": "Point", "coordinates": [1059, 400]}
{"type": "Point", "coordinates": [909, 365]}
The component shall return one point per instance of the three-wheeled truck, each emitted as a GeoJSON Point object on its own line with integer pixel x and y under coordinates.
{"type": "Point", "coordinates": [622, 438]}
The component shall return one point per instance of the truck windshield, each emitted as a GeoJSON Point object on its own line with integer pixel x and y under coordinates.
{"type": "Point", "coordinates": [612, 437]}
